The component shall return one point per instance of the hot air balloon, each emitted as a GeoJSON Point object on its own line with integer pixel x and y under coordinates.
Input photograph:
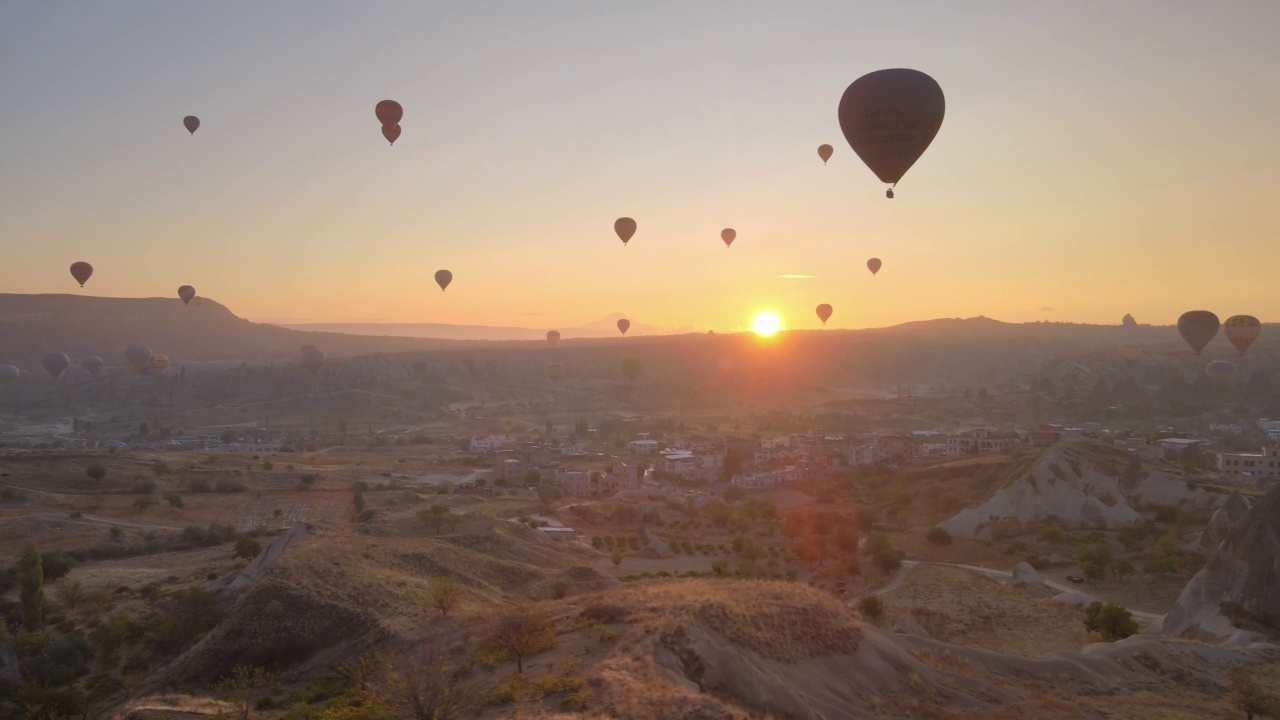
{"type": "Point", "coordinates": [1221, 373]}
{"type": "Point", "coordinates": [874, 266]}
{"type": "Point", "coordinates": [443, 278]}
{"type": "Point", "coordinates": [1198, 327]}
{"type": "Point", "coordinates": [191, 123]}
{"type": "Point", "coordinates": [159, 363]}
{"type": "Point", "coordinates": [623, 325]}
{"type": "Point", "coordinates": [311, 358]}
{"type": "Point", "coordinates": [889, 118]}
{"type": "Point", "coordinates": [1130, 352]}
{"type": "Point", "coordinates": [631, 367]}
{"type": "Point", "coordinates": [824, 152]}
{"type": "Point", "coordinates": [553, 337]}
{"type": "Point", "coordinates": [555, 371]}
{"type": "Point", "coordinates": [186, 292]}
{"type": "Point", "coordinates": [625, 227]}
{"type": "Point", "coordinates": [824, 312]}
{"type": "Point", "coordinates": [139, 356]}
{"type": "Point", "coordinates": [55, 363]}
{"type": "Point", "coordinates": [93, 364]}
{"type": "Point", "coordinates": [81, 271]}
{"type": "Point", "coordinates": [1242, 330]}
{"type": "Point", "coordinates": [391, 133]}
{"type": "Point", "coordinates": [389, 112]}
{"type": "Point", "coordinates": [8, 376]}
{"type": "Point", "coordinates": [728, 235]}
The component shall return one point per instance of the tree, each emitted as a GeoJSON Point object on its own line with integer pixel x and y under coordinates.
{"type": "Point", "coordinates": [96, 471]}
{"type": "Point", "coordinates": [532, 478]}
{"type": "Point", "coordinates": [434, 517]}
{"type": "Point", "coordinates": [616, 557]}
{"type": "Point", "coordinates": [548, 491]}
{"type": "Point", "coordinates": [146, 502]}
{"type": "Point", "coordinates": [871, 607]}
{"type": "Point", "coordinates": [423, 684]}
{"type": "Point", "coordinates": [240, 686]}
{"type": "Point", "coordinates": [247, 547]}
{"type": "Point", "coordinates": [1249, 696]}
{"type": "Point", "coordinates": [357, 500]}
{"type": "Point", "coordinates": [520, 632]}
{"type": "Point", "coordinates": [30, 577]}
{"type": "Point", "coordinates": [72, 593]}
{"type": "Point", "coordinates": [1111, 621]}
{"type": "Point", "coordinates": [228, 437]}
{"type": "Point", "coordinates": [1122, 567]}
{"type": "Point", "coordinates": [174, 499]}
{"type": "Point", "coordinates": [938, 536]}
{"type": "Point", "coordinates": [443, 593]}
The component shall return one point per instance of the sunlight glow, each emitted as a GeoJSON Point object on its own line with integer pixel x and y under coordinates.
{"type": "Point", "coordinates": [766, 323]}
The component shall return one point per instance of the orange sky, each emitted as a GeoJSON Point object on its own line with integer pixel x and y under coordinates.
{"type": "Point", "coordinates": [1096, 159]}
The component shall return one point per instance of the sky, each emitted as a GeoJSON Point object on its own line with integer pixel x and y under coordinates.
{"type": "Point", "coordinates": [1096, 159]}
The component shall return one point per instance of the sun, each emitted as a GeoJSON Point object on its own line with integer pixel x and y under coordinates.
{"type": "Point", "coordinates": [766, 323]}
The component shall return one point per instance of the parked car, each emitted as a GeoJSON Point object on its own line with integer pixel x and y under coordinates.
{"type": "Point", "coordinates": [1075, 579]}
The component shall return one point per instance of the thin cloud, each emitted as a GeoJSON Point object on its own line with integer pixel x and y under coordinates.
{"type": "Point", "coordinates": [532, 313]}
{"type": "Point", "coordinates": [1046, 308]}
{"type": "Point", "coordinates": [797, 277]}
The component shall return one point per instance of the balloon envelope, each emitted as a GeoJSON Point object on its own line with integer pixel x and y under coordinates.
{"type": "Point", "coordinates": [889, 118]}
{"type": "Point", "coordinates": [159, 362]}
{"type": "Point", "coordinates": [191, 123]}
{"type": "Point", "coordinates": [824, 152]}
{"type": "Point", "coordinates": [81, 271]}
{"type": "Point", "coordinates": [186, 292]}
{"type": "Point", "coordinates": [93, 364]}
{"type": "Point", "coordinates": [728, 235]}
{"type": "Point", "coordinates": [625, 227]}
{"type": "Point", "coordinates": [1221, 373]}
{"type": "Point", "coordinates": [873, 265]}
{"type": "Point", "coordinates": [1130, 352]}
{"type": "Point", "coordinates": [824, 312]}
{"type": "Point", "coordinates": [391, 133]}
{"type": "Point", "coordinates": [553, 336]}
{"type": "Point", "coordinates": [389, 112]}
{"type": "Point", "coordinates": [443, 278]}
{"type": "Point", "coordinates": [8, 376]}
{"type": "Point", "coordinates": [55, 363]}
{"type": "Point", "coordinates": [631, 367]}
{"type": "Point", "coordinates": [311, 358]}
{"type": "Point", "coordinates": [555, 371]}
{"type": "Point", "coordinates": [1242, 330]}
{"type": "Point", "coordinates": [139, 356]}
{"type": "Point", "coordinates": [1197, 328]}
{"type": "Point", "coordinates": [623, 325]}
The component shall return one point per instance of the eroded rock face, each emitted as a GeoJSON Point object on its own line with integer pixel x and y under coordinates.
{"type": "Point", "coordinates": [1239, 586]}
{"type": "Point", "coordinates": [1229, 516]}
{"type": "Point", "coordinates": [1025, 576]}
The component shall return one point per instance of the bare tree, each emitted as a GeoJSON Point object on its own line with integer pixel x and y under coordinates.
{"type": "Point", "coordinates": [426, 685]}
{"type": "Point", "coordinates": [444, 593]}
{"type": "Point", "coordinates": [1250, 697]}
{"type": "Point", "coordinates": [240, 686]}
{"type": "Point", "coordinates": [522, 631]}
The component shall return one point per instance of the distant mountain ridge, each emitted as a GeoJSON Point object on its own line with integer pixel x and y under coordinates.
{"type": "Point", "coordinates": [606, 327]}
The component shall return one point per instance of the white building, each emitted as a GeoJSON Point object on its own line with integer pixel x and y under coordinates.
{"type": "Point", "coordinates": [489, 444]}
{"type": "Point", "coordinates": [1242, 466]}
{"type": "Point", "coordinates": [643, 446]}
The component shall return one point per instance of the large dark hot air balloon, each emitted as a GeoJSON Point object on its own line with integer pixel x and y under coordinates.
{"type": "Point", "coordinates": [391, 133]}
{"type": "Point", "coordinates": [553, 337]}
{"type": "Point", "coordinates": [631, 367]}
{"type": "Point", "coordinates": [824, 152]}
{"type": "Point", "coordinates": [889, 118]}
{"type": "Point", "coordinates": [624, 325]}
{"type": "Point", "coordinates": [186, 292]}
{"type": "Point", "coordinates": [139, 356]}
{"type": "Point", "coordinates": [81, 271]}
{"type": "Point", "coordinates": [55, 363]}
{"type": "Point", "coordinates": [389, 112]}
{"type": "Point", "coordinates": [874, 266]}
{"type": "Point", "coordinates": [625, 227]}
{"type": "Point", "coordinates": [443, 278]}
{"type": "Point", "coordinates": [824, 312]}
{"type": "Point", "coordinates": [191, 123]}
{"type": "Point", "coordinates": [93, 364]}
{"type": "Point", "coordinates": [1198, 327]}
{"type": "Point", "coordinates": [311, 358]}
{"type": "Point", "coordinates": [1242, 330]}
{"type": "Point", "coordinates": [728, 235]}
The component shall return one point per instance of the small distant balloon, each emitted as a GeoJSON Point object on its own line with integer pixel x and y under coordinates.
{"type": "Point", "coordinates": [311, 358]}
{"type": "Point", "coordinates": [93, 364]}
{"type": "Point", "coordinates": [825, 151]}
{"type": "Point", "coordinates": [186, 292]}
{"type": "Point", "coordinates": [55, 363]}
{"type": "Point", "coordinates": [555, 371]}
{"type": "Point", "coordinates": [1242, 330]}
{"type": "Point", "coordinates": [625, 227]}
{"type": "Point", "coordinates": [1221, 373]}
{"type": "Point", "coordinates": [824, 312]}
{"type": "Point", "coordinates": [624, 325]}
{"type": "Point", "coordinates": [553, 337]}
{"type": "Point", "coordinates": [632, 367]}
{"type": "Point", "coordinates": [1130, 352]}
{"type": "Point", "coordinates": [191, 123]}
{"type": "Point", "coordinates": [81, 271]}
{"type": "Point", "coordinates": [1197, 328]}
{"type": "Point", "coordinates": [389, 112]}
{"type": "Point", "coordinates": [874, 266]}
{"type": "Point", "coordinates": [728, 235]}
{"type": "Point", "coordinates": [8, 376]}
{"type": "Point", "coordinates": [443, 278]}
{"type": "Point", "coordinates": [139, 356]}
{"type": "Point", "coordinates": [889, 118]}
{"type": "Point", "coordinates": [159, 363]}
{"type": "Point", "coordinates": [391, 133]}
